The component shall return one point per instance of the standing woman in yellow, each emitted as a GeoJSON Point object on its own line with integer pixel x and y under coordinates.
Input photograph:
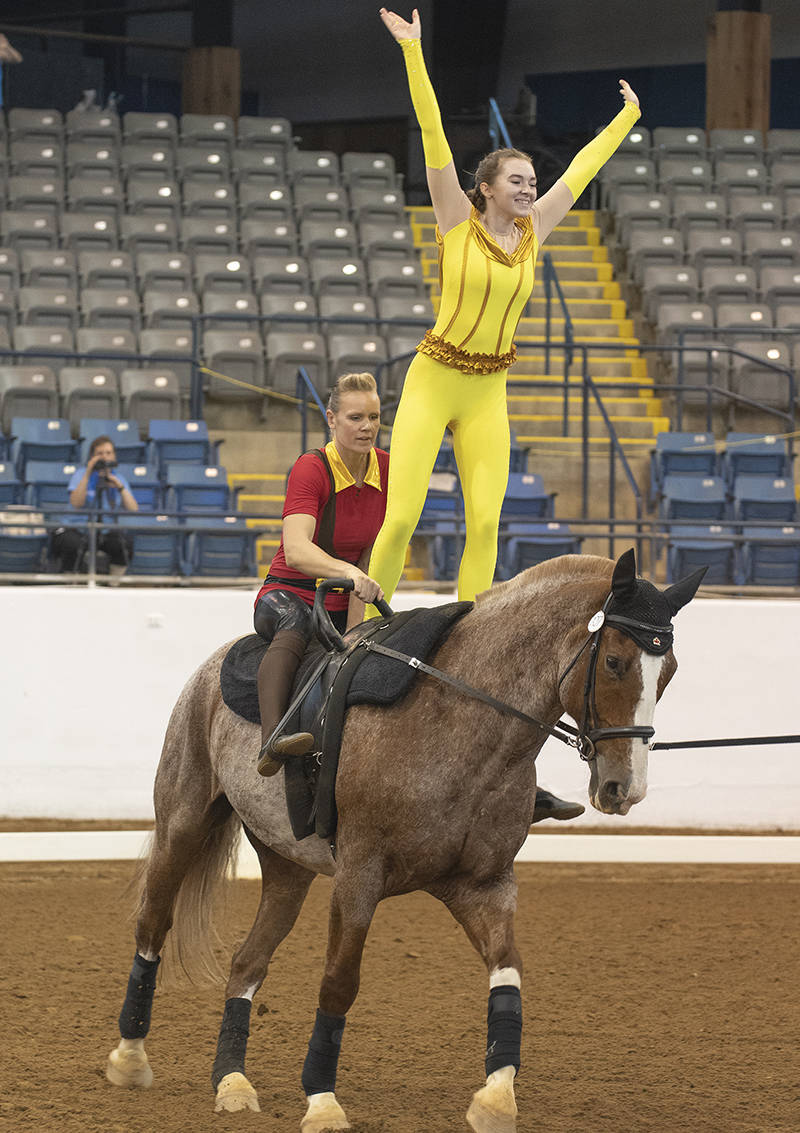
{"type": "Point", "coordinates": [488, 242]}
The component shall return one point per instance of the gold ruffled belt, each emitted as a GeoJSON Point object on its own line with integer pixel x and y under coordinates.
{"type": "Point", "coordinates": [463, 360]}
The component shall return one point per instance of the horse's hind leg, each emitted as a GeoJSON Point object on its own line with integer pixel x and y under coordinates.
{"type": "Point", "coordinates": [486, 913]}
{"type": "Point", "coordinates": [284, 886]}
{"type": "Point", "coordinates": [190, 845]}
{"type": "Point", "coordinates": [355, 896]}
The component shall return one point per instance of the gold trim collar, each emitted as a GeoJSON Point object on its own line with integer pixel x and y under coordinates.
{"type": "Point", "coordinates": [341, 474]}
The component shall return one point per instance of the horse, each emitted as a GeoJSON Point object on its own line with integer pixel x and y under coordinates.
{"type": "Point", "coordinates": [434, 793]}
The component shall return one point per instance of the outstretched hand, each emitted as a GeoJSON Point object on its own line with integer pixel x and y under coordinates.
{"type": "Point", "coordinates": [626, 92]}
{"type": "Point", "coordinates": [398, 26]}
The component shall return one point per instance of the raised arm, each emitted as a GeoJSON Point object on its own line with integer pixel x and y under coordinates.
{"type": "Point", "coordinates": [551, 209]}
{"type": "Point", "coordinates": [450, 203]}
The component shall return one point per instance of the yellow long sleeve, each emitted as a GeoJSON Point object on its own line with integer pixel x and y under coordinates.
{"type": "Point", "coordinates": [434, 143]}
{"type": "Point", "coordinates": [593, 156]}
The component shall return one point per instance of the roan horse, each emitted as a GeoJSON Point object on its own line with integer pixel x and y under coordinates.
{"type": "Point", "coordinates": [435, 793]}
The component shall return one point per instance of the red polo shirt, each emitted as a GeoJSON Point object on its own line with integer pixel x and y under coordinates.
{"type": "Point", "coordinates": [359, 513]}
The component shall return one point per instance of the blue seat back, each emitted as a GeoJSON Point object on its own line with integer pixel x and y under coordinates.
{"type": "Point", "coordinates": [754, 454]}
{"type": "Point", "coordinates": [145, 484]}
{"type": "Point", "coordinates": [23, 550]}
{"type": "Point", "coordinates": [172, 441]}
{"type": "Point", "coordinates": [124, 434]}
{"type": "Point", "coordinates": [764, 497]}
{"type": "Point", "coordinates": [525, 498]}
{"type": "Point", "coordinates": [223, 547]}
{"type": "Point", "coordinates": [40, 438]}
{"type": "Point", "coordinates": [10, 485]}
{"type": "Point", "coordinates": [770, 556]}
{"type": "Point", "coordinates": [47, 483]}
{"type": "Point", "coordinates": [710, 546]}
{"type": "Point", "coordinates": [197, 487]}
{"type": "Point", "coordinates": [693, 497]}
{"type": "Point", "coordinates": [534, 543]}
{"type": "Point", "coordinates": [156, 543]}
{"type": "Point", "coordinates": [678, 454]}
{"type": "Point", "coordinates": [443, 499]}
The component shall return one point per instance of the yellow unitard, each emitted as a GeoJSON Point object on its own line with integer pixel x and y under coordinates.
{"type": "Point", "coordinates": [458, 378]}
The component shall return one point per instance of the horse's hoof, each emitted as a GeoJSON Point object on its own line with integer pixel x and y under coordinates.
{"type": "Point", "coordinates": [129, 1068]}
{"type": "Point", "coordinates": [324, 1114]}
{"type": "Point", "coordinates": [235, 1093]}
{"type": "Point", "coordinates": [493, 1110]}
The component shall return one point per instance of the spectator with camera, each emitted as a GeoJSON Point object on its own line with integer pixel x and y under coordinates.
{"type": "Point", "coordinates": [96, 487]}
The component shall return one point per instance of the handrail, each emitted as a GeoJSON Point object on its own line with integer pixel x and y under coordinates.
{"type": "Point", "coordinates": [303, 379]}
{"type": "Point", "coordinates": [550, 277]}
{"type": "Point", "coordinates": [96, 37]}
{"type": "Point", "coordinates": [497, 127]}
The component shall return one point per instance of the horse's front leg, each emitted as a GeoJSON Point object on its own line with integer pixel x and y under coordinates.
{"type": "Point", "coordinates": [355, 896]}
{"type": "Point", "coordinates": [284, 886]}
{"type": "Point", "coordinates": [486, 913]}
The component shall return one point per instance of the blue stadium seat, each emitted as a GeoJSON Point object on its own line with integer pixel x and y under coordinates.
{"type": "Point", "coordinates": [770, 556]}
{"type": "Point", "coordinates": [763, 497]}
{"type": "Point", "coordinates": [222, 547]}
{"type": "Point", "coordinates": [445, 458]}
{"type": "Point", "coordinates": [754, 454]}
{"type": "Point", "coordinates": [145, 484]}
{"type": "Point", "coordinates": [35, 438]}
{"type": "Point", "coordinates": [198, 487]}
{"type": "Point", "coordinates": [518, 458]}
{"type": "Point", "coordinates": [23, 550]}
{"type": "Point", "coordinates": [124, 434]}
{"type": "Point", "coordinates": [156, 543]}
{"type": "Point", "coordinates": [693, 497]}
{"type": "Point", "coordinates": [526, 499]}
{"type": "Point", "coordinates": [689, 548]}
{"type": "Point", "coordinates": [46, 483]}
{"type": "Point", "coordinates": [180, 441]}
{"type": "Point", "coordinates": [681, 454]}
{"type": "Point", "coordinates": [10, 485]}
{"type": "Point", "coordinates": [534, 543]}
{"type": "Point", "coordinates": [443, 500]}
{"type": "Point", "coordinates": [446, 547]}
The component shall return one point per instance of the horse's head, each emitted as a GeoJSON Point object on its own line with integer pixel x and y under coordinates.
{"type": "Point", "coordinates": [611, 684]}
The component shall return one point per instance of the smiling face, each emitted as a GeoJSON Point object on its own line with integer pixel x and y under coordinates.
{"type": "Point", "coordinates": [354, 426]}
{"type": "Point", "coordinates": [513, 190]}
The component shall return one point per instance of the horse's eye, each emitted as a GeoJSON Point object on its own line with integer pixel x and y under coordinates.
{"type": "Point", "coordinates": [613, 664]}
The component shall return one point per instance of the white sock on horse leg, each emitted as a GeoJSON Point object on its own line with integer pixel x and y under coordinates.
{"type": "Point", "coordinates": [505, 977]}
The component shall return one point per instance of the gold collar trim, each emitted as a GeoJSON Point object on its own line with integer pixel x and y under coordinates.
{"type": "Point", "coordinates": [342, 478]}
{"type": "Point", "coordinates": [491, 248]}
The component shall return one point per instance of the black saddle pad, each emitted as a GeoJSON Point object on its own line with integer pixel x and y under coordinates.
{"type": "Point", "coordinates": [237, 676]}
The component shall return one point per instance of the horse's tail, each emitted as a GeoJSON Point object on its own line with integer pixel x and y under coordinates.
{"type": "Point", "coordinates": [193, 943]}
{"type": "Point", "coordinates": [194, 846]}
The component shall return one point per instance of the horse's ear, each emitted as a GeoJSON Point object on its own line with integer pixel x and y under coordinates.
{"type": "Point", "coordinates": [682, 592]}
{"type": "Point", "coordinates": [624, 577]}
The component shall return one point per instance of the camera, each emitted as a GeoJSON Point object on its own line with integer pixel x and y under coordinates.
{"type": "Point", "coordinates": [105, 465]}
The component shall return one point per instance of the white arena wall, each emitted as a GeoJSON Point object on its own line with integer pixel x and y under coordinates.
{"type": "Point", "coordinates": [89, 678]}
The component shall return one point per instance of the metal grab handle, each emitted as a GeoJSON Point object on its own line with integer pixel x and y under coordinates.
{"type": "Point", "coordinates": [324, 628]}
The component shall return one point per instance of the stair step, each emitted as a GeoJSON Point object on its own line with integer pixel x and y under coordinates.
{"type": "Point", "coordinates": [528, 425]}
{"type": "Point", "coordinates": [538, 404]}
{"type": "Point", "coordinates": [531, 363]}
{"type": "Point", "coordinates": [582, 328]}
{"type": "Point", "coordinates": [578, 307]}
{"type": "Point", "coordinates": [555, 445]}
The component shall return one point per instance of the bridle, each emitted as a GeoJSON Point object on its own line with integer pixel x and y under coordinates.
{"type": "Point", "coordinates": [583, 739]}
{"type": "Point", "coordinates": [587, 737]}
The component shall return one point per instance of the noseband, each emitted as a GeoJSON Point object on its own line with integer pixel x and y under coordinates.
{"type": "Point", "coordinates": [587, 737]}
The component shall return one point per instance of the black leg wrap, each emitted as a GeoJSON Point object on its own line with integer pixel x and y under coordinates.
{"type": "Point", "coordinates": [504, 1028]}
{"type": "Point", "coordinates": [234, 1032]}
{"type": "Point", "coordinates": [319, 1068]}
{"type": "Point", "coordinates": [134, 1018]}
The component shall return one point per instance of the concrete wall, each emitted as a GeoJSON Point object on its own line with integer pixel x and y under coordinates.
{"type": "Point", "coordinates": [90, 677]}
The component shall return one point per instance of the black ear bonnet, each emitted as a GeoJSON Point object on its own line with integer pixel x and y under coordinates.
{"type": "Point", "coordinates": [644, 614]}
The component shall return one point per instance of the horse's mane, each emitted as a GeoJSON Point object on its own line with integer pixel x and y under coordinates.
{"type": "Point", "coordinates": [553, 574]}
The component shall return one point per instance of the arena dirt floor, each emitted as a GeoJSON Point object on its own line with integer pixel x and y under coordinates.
{"type": "Point", "coordinates": [658, 998]}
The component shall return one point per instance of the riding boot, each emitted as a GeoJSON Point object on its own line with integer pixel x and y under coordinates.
{"type": "Point", "coordinates": [276, 675]}
{"type": "Point", "coordinates": [550, 806]}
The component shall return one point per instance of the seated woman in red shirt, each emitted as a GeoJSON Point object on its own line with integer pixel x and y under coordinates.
{"type": "Point", "coordinates": [334, 508]}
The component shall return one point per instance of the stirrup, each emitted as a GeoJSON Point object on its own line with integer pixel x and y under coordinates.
{"type": "Point", "coordinates": [275, 751]}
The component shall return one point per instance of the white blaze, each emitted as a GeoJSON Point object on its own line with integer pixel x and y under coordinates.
{"type": "Point", "coordinates": [645, 710]}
